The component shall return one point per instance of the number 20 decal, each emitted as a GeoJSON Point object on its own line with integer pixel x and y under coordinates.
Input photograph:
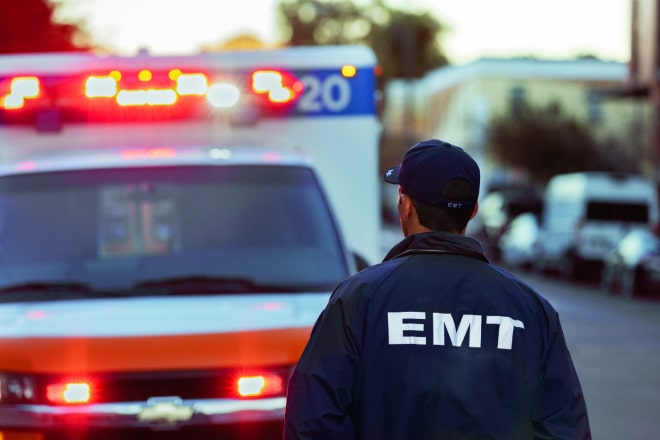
{"type": "Point", "coordinates": [332, 93]}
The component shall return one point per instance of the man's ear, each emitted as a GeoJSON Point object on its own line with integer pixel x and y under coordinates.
{"type": "Point", "coordinates": [405, 205]}
{"type": "Point", "coordinates": [475, 210]}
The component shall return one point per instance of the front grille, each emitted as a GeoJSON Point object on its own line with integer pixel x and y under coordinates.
{"type": "Point", "coordinates": [140, 386]}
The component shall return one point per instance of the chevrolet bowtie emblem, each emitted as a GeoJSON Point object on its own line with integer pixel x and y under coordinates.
{"type": "Point", "coordinates": [165, 410]}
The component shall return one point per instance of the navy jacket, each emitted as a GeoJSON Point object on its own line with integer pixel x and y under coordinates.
{"type": "Point", "coordinates": [436, 343]}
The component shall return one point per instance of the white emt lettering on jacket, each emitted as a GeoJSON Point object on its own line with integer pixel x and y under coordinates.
{"type": "Point", "coordinates": [401, 324]}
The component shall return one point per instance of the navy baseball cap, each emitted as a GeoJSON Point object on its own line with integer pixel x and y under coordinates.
{"type": "Point", "coordinates": [428, 165]}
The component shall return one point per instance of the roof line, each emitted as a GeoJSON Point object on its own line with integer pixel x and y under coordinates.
{"type": "Point", "coordinates": [587, 69]}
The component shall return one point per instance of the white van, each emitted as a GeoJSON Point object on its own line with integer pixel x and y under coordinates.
{"type": "Point", "coordinates": [585, 214]}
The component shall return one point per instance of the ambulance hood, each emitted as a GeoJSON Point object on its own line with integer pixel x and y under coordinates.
{"type": "Point", "coordinates": [156, 333]}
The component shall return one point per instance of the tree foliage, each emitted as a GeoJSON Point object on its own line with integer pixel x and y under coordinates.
{"type": "Point", "coordinates": [319, 22]}
{"type": "Point", "coordinates": [28, 26]}
{"type": "Point", "coordinates": [406, 44]}
{"type": "Point", "coordinates": [545, 141]}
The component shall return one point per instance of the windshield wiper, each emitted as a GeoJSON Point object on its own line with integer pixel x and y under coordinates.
{"type": "Point", "coordinates": [204, 284]}
{"type": "Point", "coordinates": [51, 290]}
{"type": "Point", "coordinates": [45, 286]}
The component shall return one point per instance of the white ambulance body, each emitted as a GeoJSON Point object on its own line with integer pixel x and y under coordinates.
{"type": "Point", "coordinates": [170, 229]}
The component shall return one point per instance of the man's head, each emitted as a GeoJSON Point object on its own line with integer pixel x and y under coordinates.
{"type": "Point", "coordinates": [438, 187]}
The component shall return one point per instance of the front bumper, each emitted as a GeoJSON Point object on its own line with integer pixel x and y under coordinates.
{"type": "Point", "coordinates": [156, 414]}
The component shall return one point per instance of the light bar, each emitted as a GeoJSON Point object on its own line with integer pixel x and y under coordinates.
{"type": "Point", "coordinates": [100, 87]}
{"type": "Point", "coordinates": [191, 84]}
{"type": "Point", "coordinates": [12, 102]}
{"type": "Point", "coordinates": [223, 95]}
{"type": "Point", "coordinates": [21, 88]}
{"type": "Point", "coordinates": [27, 87]}
{"type": "Point", "coordinates": [274, 84]}
{"type": "Point", "coordinates": [107, 86]}
{"type": "Point", "coordinates": [270, 82]}
{"type": "Point", "coordinates": [146, 97]}
{"type": "Point", "coordinates": [243, 97]}
{"type": "Point", "coordinates": [145, 75]}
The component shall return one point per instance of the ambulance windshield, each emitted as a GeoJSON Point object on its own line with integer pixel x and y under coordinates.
{"type": "Point", "coordinates": [118, 228]}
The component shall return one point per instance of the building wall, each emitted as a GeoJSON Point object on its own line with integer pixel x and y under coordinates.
{"type": "Point", "coordinates": [457, 103]}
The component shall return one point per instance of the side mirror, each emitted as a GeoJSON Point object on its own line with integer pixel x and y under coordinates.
{"type": "Point", "coordinates": [360, 261]}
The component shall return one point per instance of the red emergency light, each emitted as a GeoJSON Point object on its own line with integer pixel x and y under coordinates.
{"type": "Point", "coordinates": [279, 88]}
{"type": "Point", "coordinates": [21, 88]}
{"type": "Point", "coordinates": [145, 94]}
{"type": "Point", "coordinates": [260, 385]}
{"type": "Point", "coordinates": [69, 393]}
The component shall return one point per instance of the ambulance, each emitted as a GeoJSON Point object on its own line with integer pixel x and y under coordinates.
{"type": "Point", "coordinates": [170, 228]}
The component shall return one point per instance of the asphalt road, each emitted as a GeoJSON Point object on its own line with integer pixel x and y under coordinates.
{"type": "Point", "coordinates": [615, 344]}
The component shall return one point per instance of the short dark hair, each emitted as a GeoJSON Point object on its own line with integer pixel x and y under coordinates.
{"type": "Point", "coordinates": [442, 219]}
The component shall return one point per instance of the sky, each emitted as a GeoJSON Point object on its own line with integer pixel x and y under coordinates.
{"type": "Point", "coordinates": [477, 28]}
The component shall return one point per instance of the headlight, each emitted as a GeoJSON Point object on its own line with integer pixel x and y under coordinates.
{"type": "Point", "coordinates": [260, 384]}
{"type": "Point", "coordinates": [16, 388]}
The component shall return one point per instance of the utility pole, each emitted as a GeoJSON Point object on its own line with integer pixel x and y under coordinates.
{"type": "Point", "coordinates": [654, 90]}
{"type": "Point", "coordinates": [644, 72]}
{"type": "Point", "coordinates": [406, 43]}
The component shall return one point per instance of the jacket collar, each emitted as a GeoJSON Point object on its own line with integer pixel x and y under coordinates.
{"type": "Point", "coordinates": [437, 242]}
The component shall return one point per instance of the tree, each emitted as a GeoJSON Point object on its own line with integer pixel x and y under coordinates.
{"type": "Point", "coordinates": [29, 26]}
{"type": "Point", "coordinates": [545, 141]}
{"type": "Point", "coordinates": [406, 44]}
{"type": "Point", "coordinates": [321, 22]}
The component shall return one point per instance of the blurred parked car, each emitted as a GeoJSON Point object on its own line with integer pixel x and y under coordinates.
{"type": "Point", "coordinates": [496, 211]}
{"type": "Point", "coordinates": [633, 267]}
{"type": "Point", "coordinates": [519, 243]}
{"type": "Point", "coordinates": [585, 215]}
